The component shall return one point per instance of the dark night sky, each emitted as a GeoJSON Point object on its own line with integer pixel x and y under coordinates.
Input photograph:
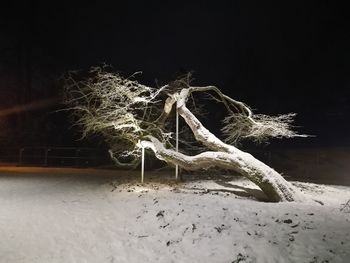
{"type": "Point", "coordinates": [286, 56]}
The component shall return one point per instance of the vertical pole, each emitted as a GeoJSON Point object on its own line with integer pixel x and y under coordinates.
{"type": "Point", "coordinates": [21, 156]}
{"type": "Point", "coordinates": [46, 156]}
{"type": "Point", "coordinates": [142, 164]}
{"type": "Point", "coordinates": [177, 143]}
{"type": "Point", "coordinates": [77, 150]}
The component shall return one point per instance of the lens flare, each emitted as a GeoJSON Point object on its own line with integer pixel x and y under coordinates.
{"type": "Point", "coordinates": [29, 106]}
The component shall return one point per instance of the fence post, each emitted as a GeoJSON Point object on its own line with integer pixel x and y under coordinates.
{"type": "Point", "coordinates": [46, 156]}
{"type": "Point", "coordinates": [20, 156]}
{"type": "Point", "coordinates": [77, 157]}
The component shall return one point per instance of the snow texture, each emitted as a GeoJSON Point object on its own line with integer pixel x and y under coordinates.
{"type": "Point", "coordinates": [72, 215]}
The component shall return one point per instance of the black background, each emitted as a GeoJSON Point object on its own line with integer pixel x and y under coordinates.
{"type": "Point", "coordinates": [278, 57]}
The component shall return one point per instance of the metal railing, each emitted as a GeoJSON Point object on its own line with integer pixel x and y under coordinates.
{"type": "Point", "coordinates": [318, 164]}
{"type": "Point", "coordinates": [55, 156]}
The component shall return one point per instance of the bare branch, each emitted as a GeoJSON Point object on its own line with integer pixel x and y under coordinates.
{"type": "Point", "coordinates": [258, 127]}
{"type": "Point", "coordinates": [130, 115]}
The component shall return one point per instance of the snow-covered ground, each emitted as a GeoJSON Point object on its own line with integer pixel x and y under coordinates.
{"type": "Point", "coordinates": [72, 215]}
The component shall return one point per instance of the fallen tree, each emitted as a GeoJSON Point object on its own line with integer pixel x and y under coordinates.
{"type": "Point", "coordinates": [132, 116]}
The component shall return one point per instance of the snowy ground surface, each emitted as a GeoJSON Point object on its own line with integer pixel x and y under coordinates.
{"type": "Point", "coordinates": [77, 215]}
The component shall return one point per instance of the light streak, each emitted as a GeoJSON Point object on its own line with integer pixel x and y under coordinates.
{"type": "Point", "coordinates": [29, 106]}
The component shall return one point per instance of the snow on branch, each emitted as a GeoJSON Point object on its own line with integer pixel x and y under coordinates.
{"type": "Point", "coordinates": [258, 127]}
{"type": "Point", "coordinates": [131, 116]}
{"type": "Point", "coordinates": [241, 123]}
{"type": "Point", "coordinates": [121, 109]}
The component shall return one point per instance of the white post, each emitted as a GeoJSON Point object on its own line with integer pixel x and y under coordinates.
{"type": "Point", "coordinates": [177, 142]}
{"type": "Point", "coordinates": [142, 164]}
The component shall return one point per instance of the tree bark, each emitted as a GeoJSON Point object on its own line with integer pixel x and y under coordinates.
{"type": "Point", "coordinates": [275, 187]}
{"type": "Point", "coordinates": [223, 155]}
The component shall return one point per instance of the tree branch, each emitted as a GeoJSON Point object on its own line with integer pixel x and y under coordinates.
{"type": "Point", "coordinates": [272, 184]}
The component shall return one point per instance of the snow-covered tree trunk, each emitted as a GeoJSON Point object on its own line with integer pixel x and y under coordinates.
{"type": "Point", "coordinates": [274, 186]}
{"type": "Point", "coordinates": [132, 116]}
{"type": "Point", "coordinates": [223, 155]}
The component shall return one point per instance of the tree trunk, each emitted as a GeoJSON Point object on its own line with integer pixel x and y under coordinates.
{"type": "Point", "coordinates": [223, 155]}
{"type": "Point", "coordinates": [275, 187]}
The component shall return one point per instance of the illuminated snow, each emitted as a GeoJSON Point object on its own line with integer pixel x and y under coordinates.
{"type": "Point", "coordinates": [54, 215]}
